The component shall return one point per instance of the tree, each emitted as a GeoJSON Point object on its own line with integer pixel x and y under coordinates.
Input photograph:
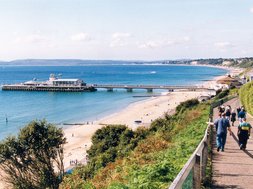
{"type": "Point", "coordinates": [34, 159]}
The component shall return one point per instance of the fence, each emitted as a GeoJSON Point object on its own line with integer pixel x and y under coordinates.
{"type": "Point", "coordinates": [194, 171]}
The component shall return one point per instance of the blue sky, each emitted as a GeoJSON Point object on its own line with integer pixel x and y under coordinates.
{"type": "Point", "coordinates": [125, 29]}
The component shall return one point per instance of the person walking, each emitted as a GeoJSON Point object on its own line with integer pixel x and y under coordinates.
{"type": "Point", "coordinates": [241, 114]}
{"type": "Point", "coordinates": [222, 125]}
{"type": "Point", "coordinates": [228, 112]}
{"type": "Point", "coordinates": [243, 133]}
{"type": "Point", "coordinates": [233, 117]}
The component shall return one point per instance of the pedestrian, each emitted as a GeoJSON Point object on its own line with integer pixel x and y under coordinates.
{"type": "Point", "coordinates": [221, 109]}
{"type": "Point", "coordinates": [233, 117]}
{"type": "Point", "coordinates": [241, 114]}
{"type": "Point", "coordinates": [243, 133]}
{"type": "Point", "coordinates": [238, 110]}
{"type": "Point", "coordinates": [228, 112]}
{"type": "Point", "coordinates": [222, 125]}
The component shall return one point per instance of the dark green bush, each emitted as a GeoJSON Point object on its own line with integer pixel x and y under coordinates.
{"type": "Point", "coordinates": [186, 105]}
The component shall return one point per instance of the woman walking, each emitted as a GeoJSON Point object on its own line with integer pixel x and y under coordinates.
{"type": "Point", "coordinates": [233, 117]}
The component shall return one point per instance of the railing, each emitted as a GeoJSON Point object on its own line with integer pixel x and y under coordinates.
{"type": "Point", "coordinates": [195, 165]}
{"type": "Point", "coordinates": [194, 171]}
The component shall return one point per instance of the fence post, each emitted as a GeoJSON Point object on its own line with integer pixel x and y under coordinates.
{"type": "Point", "coordinates": [204, 161]}
{"type": "Point", "coordinates": [196, 173]}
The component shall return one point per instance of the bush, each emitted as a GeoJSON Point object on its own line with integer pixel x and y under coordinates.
{"type": "Point", "coordinates": [186, 105]}
{"type": "Point", "coordinates": [222, 94]}
{"type": "Point", "coordinates": [109, 143]}
{"type": "Point", "coordinates": [147, 158]}
{"type": "Point", "coordinates": [29, 160]}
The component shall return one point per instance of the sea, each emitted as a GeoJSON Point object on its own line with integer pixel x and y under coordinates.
{"type": "Point", "coordinates": [61, 108]}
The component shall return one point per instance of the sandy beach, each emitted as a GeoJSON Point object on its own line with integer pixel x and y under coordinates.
{"type": "Point", "coordinates": [79, 137]}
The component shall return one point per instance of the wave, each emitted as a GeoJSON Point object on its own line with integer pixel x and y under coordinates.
{"type": "Point", "coordinates": [142, 73]}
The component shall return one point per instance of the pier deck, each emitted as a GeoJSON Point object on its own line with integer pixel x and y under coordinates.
{"type": "Point", "coordinates": [48, 88]}
{"type": "Point", "coordinates": [150, 88]}
{"type": "Point", "coordinates": [94, 87]}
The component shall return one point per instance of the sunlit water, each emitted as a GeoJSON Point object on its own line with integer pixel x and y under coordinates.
{"type": "Point", "coordinates": [20, 107]}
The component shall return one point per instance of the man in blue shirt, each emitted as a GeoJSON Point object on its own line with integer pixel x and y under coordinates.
{"type": "Point", "coordinates": [222, 125]}
{"type": "Point", "coordinates": [241, 115]}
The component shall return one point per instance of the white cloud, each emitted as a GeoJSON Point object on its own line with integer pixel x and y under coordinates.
{"type": "Point", "coordinates": [251, 9]}
{"type": "Point", "coordinates": [223, 45]}
{"type": "Point", "coordinates": [150, 45]}
{"type": "Point", "coordinates": [120, 35]}
{"type": "Point", "coordinates": [32, 39]}
{"type": "Point", "coordinates": [164, 43]}
{"type": "Point", "coordinates": [120, 39]}
{"type": "Point", "coordinates": [80, 37]}
{"type": "Point", "coordinates": [178, 41]}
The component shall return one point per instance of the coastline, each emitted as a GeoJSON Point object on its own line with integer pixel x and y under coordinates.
{"type": "Point", "coordinates": [79, 136]}
{"type": "Point", "coordinates": [144, 111]}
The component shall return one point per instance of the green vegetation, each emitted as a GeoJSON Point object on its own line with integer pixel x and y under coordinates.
{"type": "Point", "coordinates": [222, 94]}
{"type": "Point", "coordinates": [29, 159]}
{"type": "Point", "coordinates": [110, 143]}
{"type": "Point", "coordinates": [246, 63]}
{"type": "Point", "coordinates": [235, 62]}
{"type": "Point", "coordinates": [246, 97]}
{"type": "Point", "coordinates": [147, 158]}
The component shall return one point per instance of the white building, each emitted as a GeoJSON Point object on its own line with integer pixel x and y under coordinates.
{"type": "Point", "coordinates": [64, 82]}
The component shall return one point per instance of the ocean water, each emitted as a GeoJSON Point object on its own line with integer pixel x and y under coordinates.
{"type": "Point", "coordinates": [21, 107]}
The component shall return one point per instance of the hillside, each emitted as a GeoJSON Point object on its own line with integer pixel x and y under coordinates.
{"type": "Point", "coordinates": [235, 62]}
{"type": "Point", "coordinates": [146, 158]}
{"type": "Point", "coordinates": [246, 94]}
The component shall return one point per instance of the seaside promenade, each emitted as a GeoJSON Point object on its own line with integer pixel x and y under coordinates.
{"type": "Point", "coordinates": [233, 168]}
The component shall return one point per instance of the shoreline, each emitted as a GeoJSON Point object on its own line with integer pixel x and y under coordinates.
{"type": "Point", "coordinates": [144, 111]}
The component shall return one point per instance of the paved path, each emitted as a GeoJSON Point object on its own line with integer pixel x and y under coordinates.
{"type": "Point", "coordinates": [234, 167]}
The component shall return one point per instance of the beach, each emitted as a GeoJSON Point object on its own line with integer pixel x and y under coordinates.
{"type": "Point", "coordinates": [79, 137]}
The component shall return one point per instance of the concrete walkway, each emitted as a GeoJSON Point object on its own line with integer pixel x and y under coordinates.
{"type": "Point", "coordinates": [233, 168]}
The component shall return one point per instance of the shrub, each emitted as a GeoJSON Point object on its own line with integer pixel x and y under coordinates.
{"type": "Point", "coordinates": [29, 159]}
{"type": "Point", "coordinates": [186, 105]}
{"type": "Point", "coordinates": [222, 94]}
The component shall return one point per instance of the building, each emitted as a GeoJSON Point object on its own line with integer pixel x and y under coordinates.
{"type": "Point", "coordinates": [64, 82]}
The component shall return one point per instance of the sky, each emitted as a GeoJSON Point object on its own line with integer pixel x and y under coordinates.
{"type": "Point", "coordinates": [125, 29]}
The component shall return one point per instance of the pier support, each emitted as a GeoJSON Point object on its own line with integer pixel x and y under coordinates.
{"type": "Point", "coordinates": [110, 89]}
{"type": "Point", "coordinates": [149, 90]}
{"type": "Point", "coordinates": [129, 90]}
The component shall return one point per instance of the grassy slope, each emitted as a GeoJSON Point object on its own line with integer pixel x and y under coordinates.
{"type": "Point", "coordinates": [157, 160]}
{"type": "Point", "coordinates": [246, 96]}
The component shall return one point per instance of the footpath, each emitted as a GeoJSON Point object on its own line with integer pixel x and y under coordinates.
{"type": "Point", "coordinates": [233, 168]}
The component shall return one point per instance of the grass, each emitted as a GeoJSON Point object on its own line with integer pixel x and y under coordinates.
{"type": "Point", "coordinates": [157, 159]}
{"type": "Point", "coordinates": [246, 97]}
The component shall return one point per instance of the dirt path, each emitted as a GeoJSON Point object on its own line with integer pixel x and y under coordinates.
{"type": "Point", "coordinates": [233, 168]}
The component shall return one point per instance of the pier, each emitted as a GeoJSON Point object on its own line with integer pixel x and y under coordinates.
{"type": "Point", "coordinates": [94, 87]}
{"type": "Point", "coordinates": [48, 88]}
{"type": "Point", "coordinates": [150, 88]}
